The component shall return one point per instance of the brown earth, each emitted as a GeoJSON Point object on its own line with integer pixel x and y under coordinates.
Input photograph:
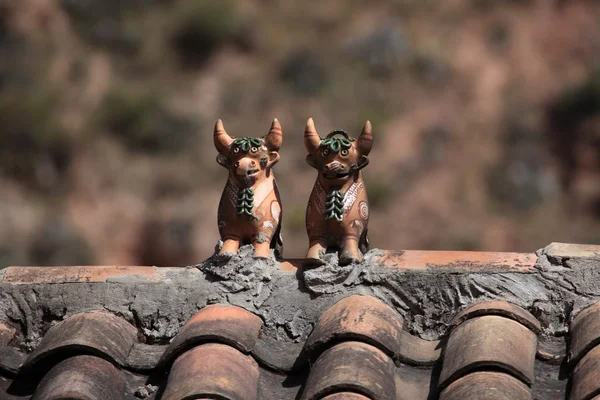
{"type": "Point", "coordinates": [486, 120]}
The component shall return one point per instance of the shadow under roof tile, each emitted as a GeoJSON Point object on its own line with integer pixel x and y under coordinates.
{"type": "Point", "coordinates": [82, 378]}
{"type": "Point", "coordinates": [489, 342]}
{"type": "Point", "coordinates": [99, 333]}
{"type": "Point", "coordinates": [362, 318]}
{"type": "Point", "coordinates": [227, 324]}
{"type": "Point", "coordinates": [584, 332]}
{"type": "Point", "coordinates": [352, 367]}
{"type": "Point", "coordinates": [586, 376]}
{"type": "Point", "coordinates": [487, 386]}
{"type": "Point", "coordinates": [413, 350]}
{"type": "Point", "coordinates": [213, 371]}
{"type": "Point", "coordinates": [501, 308]}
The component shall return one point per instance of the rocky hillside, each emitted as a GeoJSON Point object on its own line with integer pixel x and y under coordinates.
{"type": "Point", "coordinates": [486, 117]}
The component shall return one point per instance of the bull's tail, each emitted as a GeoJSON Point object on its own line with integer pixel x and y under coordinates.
{"type": "Point", "coordinates": [363, 243]}
{"type": "Point", "coordinates": [277, 240]}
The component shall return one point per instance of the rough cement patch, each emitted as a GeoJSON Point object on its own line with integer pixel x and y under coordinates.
{"type": "Point", "coordinates": [332, 278]}
{"type": "Point", "coordinates": [290, 306]}
{"type": "Point", "coordinates": [263, 238]}
{"type": "Point", "coordinates": [428, 300]}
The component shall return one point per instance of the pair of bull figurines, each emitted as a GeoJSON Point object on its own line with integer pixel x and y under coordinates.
{"type": "Point", "coordinates": [337, 215]}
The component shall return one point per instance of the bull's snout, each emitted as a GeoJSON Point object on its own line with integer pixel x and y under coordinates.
{"type": "Point", "coordinates": [333, 166]}
{"type": "Point", "coordinates": [331, 169]}
{"type": "Point", "coordinates": [245, 167]}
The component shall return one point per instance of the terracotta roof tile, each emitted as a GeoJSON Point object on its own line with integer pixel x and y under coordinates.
{"type": "Point", "coordinates": [501, 308]}
{"type": "Point", "coordinates": [487, 386]}
{"type": "Point", "coordinates": [357, 318]}
{"type": "Point", "coordinates": [98, 333]}
{"type": "Point", "coordinates": [358, 349]}
{"type": "Point", "coordinates": [82, 378]}
{"type": "Point", "coordinates": [489, 342]}
{"type": "Point", "coordinates": [31, 275]}
{"type": "Point", "coordinates": [586, 376]}
{"type": "Point", "coordinates": [460, 261]}
{"type": "Point", "coordinates": [345, 396]}
{"type": "Point", "coordinates": [213, 370]}
{"type": "Point", "coordinates": [352, 367]}
{"type": "Point", "coordinates": [216, 323]}
{"type": "Point", "coordinates": [11, 360]}
{"type": "Point", "coordinates": [584, 332]}
{"type": "Point", "coordinates": [571, 250]}
{"type": "Point", "coordinates": [6, 334]}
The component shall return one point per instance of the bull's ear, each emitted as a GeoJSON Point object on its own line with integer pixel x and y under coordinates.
{"type": "Point", "coordinates": [312, 161]}
{"type": "Point", "coordinates": [362, 162]}
{"type": "Point", "coordinates": [273, 159]}
{"type": "Point", "coordinates": [223, 161]}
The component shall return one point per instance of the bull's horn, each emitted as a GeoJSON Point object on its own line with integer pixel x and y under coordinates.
{"type": "Point", "coordinates": [221, 138]}
{"type": "Point", "coordinates": [365, 140]}
{"type": "Point", "coordinates": [274, 137]}
{"type": "Point", "coordinates": [312, 141]}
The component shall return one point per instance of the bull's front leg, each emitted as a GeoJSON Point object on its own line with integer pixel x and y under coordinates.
{"type": "Point", "coordinates": [262, 250]}
{"type": "Point", "coordinates": [316, 250]}
{"type": "Point", "coordinates": [262, 241]}
{"type": "Point", "coordinates": [349, 252]}
{"type": "Point", "coordinates": [230, 247]}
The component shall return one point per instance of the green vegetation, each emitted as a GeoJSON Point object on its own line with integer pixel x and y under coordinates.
{"type": "Point", "coordinates": [295, 218]}
{"type": "Point", "coordinates": [104, 23]}
{"type": "Point", "coordinates": [33, 147]}
{"type": "Point", "coordinates": [142, 122]}
{"type": "Point", "coordinates": [200, 27]}
{"type": "Point", "coordinates": [379, 193]}
{"type": "Point", "coordinates": [304, 74]}
{"type": "Point", "coordinates": [578, 102]}
{"type": "Point", "coordinates": [58, 243]}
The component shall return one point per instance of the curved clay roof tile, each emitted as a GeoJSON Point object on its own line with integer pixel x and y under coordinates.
{"type": "Point", "coordinates": [82, 377]}
{"type": "Point", "coordinates": [586, 377]}
{"type": "Point", "coordinates": [226, 324]}
{"type": "Point", "coordinates": [352, 367]}
{"type": "Point", "coordinates": [362, 318]}
{"type": "Point", "coordinates": [213, 371]}
{"type": "Point", "coordinates": [584, 333]}
{"type": "Point", "coordinates": [98, 333]}
{"type": "Point", "coordinates": [488, 386]}
{"type": "Point", "coordinates": [489, 342]}
{"type": "Point", "coordinates": [501, 308]}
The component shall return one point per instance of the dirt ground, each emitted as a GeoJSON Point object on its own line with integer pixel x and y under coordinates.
{"type": "Point", "coordinates": [486, 119]}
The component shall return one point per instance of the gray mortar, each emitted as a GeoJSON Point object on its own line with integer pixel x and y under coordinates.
{"type": "Point", "coordinates": [290, 306]}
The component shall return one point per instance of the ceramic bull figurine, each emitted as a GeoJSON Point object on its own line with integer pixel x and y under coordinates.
{"type": "Point", "coordinates": [250, 206]}
{"type": "Point", "coordinates": [337, 214]}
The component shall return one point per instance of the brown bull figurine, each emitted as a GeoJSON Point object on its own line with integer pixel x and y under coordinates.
{"type": "Point", "coordinates": [337, 214]}
{"type": "Point", "coordinates": [250, 207]}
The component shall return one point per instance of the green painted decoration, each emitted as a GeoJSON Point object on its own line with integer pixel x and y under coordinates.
{"type": "Point", "coordinates": [334, 205]}
{"type": "Point", "coordinates": [246, 202]}
{"type": "Point", "coordinates": [246, 143]}
{"type": "Point", "coordinates": [336, 144]}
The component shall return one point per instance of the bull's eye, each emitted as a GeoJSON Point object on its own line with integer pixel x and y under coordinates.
{"type": "Point", "coordinates": [236, 150]}
{"type": "Point", "coordinates": [254, 149]}
{"type": "Point", "coordinates": [325, 152]}
{"type": "Point", "coordinates": [344, 152]}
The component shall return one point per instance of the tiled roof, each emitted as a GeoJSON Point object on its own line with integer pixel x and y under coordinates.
{"type": "Point", "coordinates": [57, 343]}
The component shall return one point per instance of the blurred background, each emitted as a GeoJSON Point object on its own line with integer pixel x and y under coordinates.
{"type": "Point", "coordinates": [486, 117]}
